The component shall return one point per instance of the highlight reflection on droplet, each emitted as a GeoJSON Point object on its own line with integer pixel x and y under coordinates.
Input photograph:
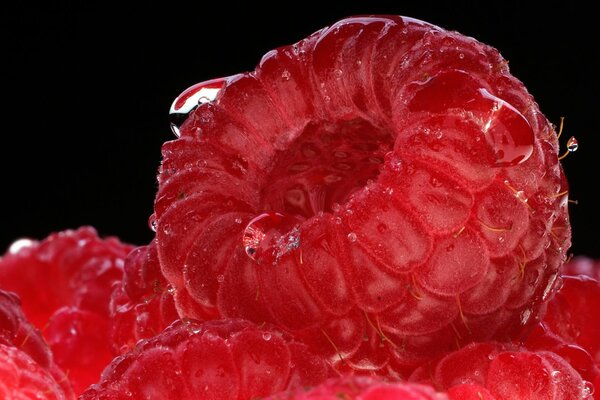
{"type": "Point", "coordinates": [191, 98]}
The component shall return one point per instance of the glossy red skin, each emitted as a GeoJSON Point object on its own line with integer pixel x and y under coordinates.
{"type": "Point", "coordinates": [571, 328]}
{"type": "Point", "coordinates": [65, 282]}
{"type": "Point", "coordinates": [229, 360]}
{"type": "Point", "coordinates": [355, 388]}
{"type": "Point", "coordinates": [501, 371]}
{"type": "Point", "coordinates": [26, 362]}
{"type": "Point", "coordinates": [141, 305]}
{"type": "Point", "coordinates": [440, 233]}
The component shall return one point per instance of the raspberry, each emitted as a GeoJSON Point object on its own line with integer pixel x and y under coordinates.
{"type": "Point", "coordinates": [503, 372]}
{"type": "Point", "coordinates": [141, 305]}
{"type": "Point", "coordinates": [583, 266]}
{"type": "Point", "coordinates": [230, 359]}
{"type": "Point", "coordinates": [26, 363]}
{"type": "Point", "coordinates": [381, 179]}
{"type": "Point", "coordinates": [570, 327]}
{"type": "Point", "coordinates": [362, 388]}
{"type": "Point", "coordinates": [65, 282]}
{"type": "Point", "coordinates": [21, 378]}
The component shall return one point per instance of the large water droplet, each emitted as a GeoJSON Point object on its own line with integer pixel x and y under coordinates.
{"type": "Point", "coordinates": [190, 99]}
{"type": "Point", "coordinates": [271, 235]}
{"type": "Point", "coordinates": [505, 129]}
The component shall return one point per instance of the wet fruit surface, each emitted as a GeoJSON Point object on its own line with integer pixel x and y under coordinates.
{"type": "Point", "coordinates": [65, 284]}
{"type": "Point", "coordinates": [379, 180]}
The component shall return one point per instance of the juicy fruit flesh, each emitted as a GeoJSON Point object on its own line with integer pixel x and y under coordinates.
{"type": "Point", "coordinates": [384, 190]}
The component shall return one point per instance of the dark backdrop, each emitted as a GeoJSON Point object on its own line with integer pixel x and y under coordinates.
{"type": "Point", "coordinates": [89, 86]}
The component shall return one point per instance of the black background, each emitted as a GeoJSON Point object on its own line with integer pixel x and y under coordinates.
{"type": "Point", "coordinates": [89, 86]}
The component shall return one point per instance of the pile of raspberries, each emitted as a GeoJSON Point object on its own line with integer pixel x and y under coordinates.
{"type": "Point", "coordinates": [377, 211]}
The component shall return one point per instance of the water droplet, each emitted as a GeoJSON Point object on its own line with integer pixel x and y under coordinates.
{"type": "Point", "coordinates": [521, 196]}
{"type": "Point", "coordinates": [338, 72]}
{"type": "Point", "coordinates": [195, 329]}
{"type": "Point", "coordinates": [555, 374]}
{"type": "Point", "coordinates": [190, 99]}
{"type": "Point", "coordinates": [327, 98]}
{"type": "Point", "coordinates": [21, 244]}
{"type": "Point", "coordinates": [588, 390]}
{"type": "Point", "coordinates": [171, 289]}
{"type": "Point", "coordinates": [266, 336]}
{"type": "Point", "coordinates": [285, 75]}
{"type": "Point", "coordinates": [352, 237]}
{"type": "Point", "coordinates": [572, 144]}
{"type": "Point", "coordinates": [152, 222]}
{"type": "Point", "coordinates": [335, 207]}
{"type": "Point", "coordinates": [220, 278]}
{"type": "Point", "coordinates": [167, 229]}
{"type": "Point", "coordinates": [338, 220]}
{"type": "Point", "coordinates": [389, 190]}
{"type": "Point", "coordinates": [393, 161]}
{"type": "Point", "coordinates": [506, 131]}
{"type": "Point", "coordinates": [238, 220]}
{"type": "Point", "coordinates": [271, 235]}
{"type": "Point", "coordinates": [461, 56]}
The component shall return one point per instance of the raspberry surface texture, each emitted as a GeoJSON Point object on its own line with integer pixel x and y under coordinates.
{"type": "Point", "coordinates": [27, 367]}
{"type": "Point", "coordinates": [225, 359]}
{"type": "Point", "coordinates": [65, 283]}
{"type": "Point", "coordinates": [384, 190]}
{"type": "Point", "coordinates": [362, 388]}
{"type": "Point", "coordinates": [571, 327]}
{"type": "Point", "coordinates": [142, 304]}
{"type": "Point", "coordinates": [496, 371]}
{"type": "Point", "coordinates": [21, 378]}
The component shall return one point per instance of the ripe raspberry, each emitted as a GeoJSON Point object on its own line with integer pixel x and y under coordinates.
{"type": "Point", "coordinates": [26, 362]}
{"type": "Point", "coordinates": [65, 282]}
{"type": "Point", "coordinates": [141, 305]}
{"type": "Point", "coordinates": [364, 389]}
{"type": "Point", "coordinates": [583, 266]}
{"type": "Point", "coordinates": [228, 359]}
{"type": "Point", "coordinates": [498, 371]}
{"type": "Point", "coordinates": [571, 328]}
{"type": "Point", "coordinates": [21, 378]}
{"type": "Point", "coordinates": [382, 179]}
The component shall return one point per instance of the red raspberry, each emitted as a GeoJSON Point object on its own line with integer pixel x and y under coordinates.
{"type": "Point", "coordinates": [21, 378]}
{"type": "Point", "coordinates": [571, 327]}
{"type": "Point", "coordinates": [497, 371]}
{"type": "Point", "coordinates": [141, 305]}
{"type": "Point", "coordinates": [230, 359]}
{"type": "Point", "coordinates": [362, 388]}
{"type": "Point", "coordinates": [65, 282]}
{"type": "Point", "coordinates": [583, 266]}
{"type": "Point", "coordinates": [26, 362]}
{"type": "Point", "coordinates": [382, 179]}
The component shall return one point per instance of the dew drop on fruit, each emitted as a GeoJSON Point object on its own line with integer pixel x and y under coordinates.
{"type": "Point", "coordinates": [152, 222]}
{"type": "Point", "coordinates": [505, 129]}
{"type": "Point", "coordinates": [266, 336]}
{"type": "Point", "coordinates": [271, 235]}
{"type": "Point", "coordinates": [572, 144]}
{"type": "Point", "coordinates": [190, 99]}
